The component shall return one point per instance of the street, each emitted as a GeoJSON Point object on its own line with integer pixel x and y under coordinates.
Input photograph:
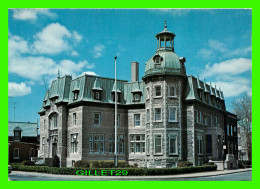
{"type": "Point", "coordinates": [14, 176]}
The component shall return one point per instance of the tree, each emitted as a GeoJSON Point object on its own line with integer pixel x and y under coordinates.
{"type": "Point", "coordinates": [243, 108]}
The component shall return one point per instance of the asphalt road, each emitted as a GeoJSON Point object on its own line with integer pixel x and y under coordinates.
{"type": "Point", "coordinates": [242, 176]}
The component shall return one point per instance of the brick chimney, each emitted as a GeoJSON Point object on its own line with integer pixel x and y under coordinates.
{"type": "Point", "coordinates": [134, 71]}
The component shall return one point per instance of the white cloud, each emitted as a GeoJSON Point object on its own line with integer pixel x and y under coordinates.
{"type": "Point", "coordinates": [89, 73]}
{"type": "Point", "coordinates": [74, 53]}
{"type": "Point", "coordinates": [54, 39]}
{"type": "Point", "coordinates": [98, 50]}
{"type": "Point", "coordinates": [235, 87]}
{"type": "Point", "coordinates": [32, 14]}
{"type": "Point", "coordinates": [15, 89]}
{"type": "Point", "coordinates": [205, 53]}
{"type": "Point", "coordinates": [232, 67]}
{"type": "Point", "coordinates": [217, 45]}
{"type": "Point", "coordinates": [17, 45]}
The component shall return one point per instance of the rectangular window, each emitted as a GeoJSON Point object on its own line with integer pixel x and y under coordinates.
{"type": "Point", "coordinates": [235, 130]}
{"type": "Point", "coordinates": [148, 144]}
{"type": "Point", "coordinates": [208, 144]}
{"type": "Point", "coordinates": [76, 95]}
{"type": "Point", "coordinates": [205, 120]}
{"type": "Point", "coordinates": [96, 143]}
{"type": "Point", "coordinates": [55, 125]}
{"type": "Point", "coordinates": [157, 114]}
{"type": "Point", "coordinates": [147, 115]}
{"type": "Point", "coordinates": [16, 153]}
{"type": "Point", "coordinates": [206, 97]}
{"type": "Point", "coordinates": [172, 114]}
{"type": "Point", "coordinates": [200, 146]}
{"type": "Point", "coordinates": [157, 91]}
{"type": "Point", "coordinates": [216, 121]}
{"type": "Point", "coordinates": [74, 119]}
{"type": "Point", "coordinates": [44, 124]}
{"type": "Point", "coordinates": [173, 144]}
{"type": "Point", "coordinates": [97, 95]}
{"type": "Point", "coordinates": [200, 94]}
{"type": "Point", "coordinates": [200, 117]}
{"type": "Point", "coordinates": [120, 144]}
{"type": "Point", "coordinates": [118, 120]}
{"type": "Point", "coordinates": [74, 143]}
{"type": "Point", "coordinates": [171, 91]}
{"type": "Point", "coordinates": [196, 115]}
{"type": "Point", "coordinates": [111, 144]}
{"type": "Point", "coordinates": [158, 144]}
{"type": "Point", "coordinates": [17, 135]}
{"type": "Point", "coordinates": [97, 117]}
{"type": "Point", "coordinates": [137, 143]}
{"type": "Point", "coordinates": [137, 97]}
{"type": "Point", "coordinates": [137, 119]}
{"type": "Point", "coordinates": [147, 93]}
{"type": "Point", "coordinates": [231, 130]}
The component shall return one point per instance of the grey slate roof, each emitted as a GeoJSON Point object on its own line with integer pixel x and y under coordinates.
{"type": "Point", "coordinates": [194, 84]}
{"type": "Point", "coordinates": [63, 88]}
{"type": "Point", "coordinates": [28, 129]}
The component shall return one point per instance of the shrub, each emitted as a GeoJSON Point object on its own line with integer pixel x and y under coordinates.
{"type": "Point", "coordinates": [131, 171]}
{"type": "Point", "coordinates": [185, 164]}
{"type": "Point", "coordinates": [209, 163]}
{"type": "Point", "coordinates": [82, 163]}
{"type": "Point", "coordinates": [56, 161]}
{"type": "Point", "coordinates": [28, 162]}
{"type": "Point", "coordinates": [94, 164]}
{"type": "Point", "coordinates": [135, 165]}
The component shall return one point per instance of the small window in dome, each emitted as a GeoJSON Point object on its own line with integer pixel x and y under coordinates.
{"type": "Point", "coordinates": [157, 59]}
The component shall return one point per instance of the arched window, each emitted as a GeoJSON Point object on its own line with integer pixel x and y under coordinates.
{"type": "Point", "coordinates": [157, 59]}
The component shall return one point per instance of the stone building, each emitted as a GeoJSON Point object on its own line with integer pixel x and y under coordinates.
{"type": "Point", "coordinates": [165, 118]}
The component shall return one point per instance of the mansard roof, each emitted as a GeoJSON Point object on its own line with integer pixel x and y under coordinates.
{"type": "Point", "coordinates": [194, 84]}
{"type": "Point", "coordinates": [64, 88]}
{"type": "Point", "coordinates": [28, 129]}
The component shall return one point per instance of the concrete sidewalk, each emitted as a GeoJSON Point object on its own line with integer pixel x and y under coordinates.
{"type": "Point", "coordinates": [191, 175]}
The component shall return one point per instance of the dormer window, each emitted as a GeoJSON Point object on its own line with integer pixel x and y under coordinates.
{"type": "Point", "coordinates": [137, 97]}
{"type": "Point", "coordinates": [118, 97]}
{"type": "Point", "coordinates": [97, 95]}
{"type": "Point", "coordinates": [200, 94]}
{"type": "Point", "coordinates": [76, 95]}
{"type": "Point", "coordinates": [17, 135]}
{"type": "Point", "coordinates": [206, 97]}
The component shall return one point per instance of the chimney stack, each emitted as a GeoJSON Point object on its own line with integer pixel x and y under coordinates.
{"type": "Point", "coordinates": [134, 71]}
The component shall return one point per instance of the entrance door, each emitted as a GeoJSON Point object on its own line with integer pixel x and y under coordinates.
{"type": "Point", "coordinates": [54, 149]}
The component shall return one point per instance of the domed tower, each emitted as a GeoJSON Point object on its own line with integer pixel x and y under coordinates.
{"type": "Point", "coordinates": [164, 79]}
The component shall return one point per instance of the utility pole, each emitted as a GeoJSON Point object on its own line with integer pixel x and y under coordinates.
{"type": "Point", "coordinates": [115, 117]}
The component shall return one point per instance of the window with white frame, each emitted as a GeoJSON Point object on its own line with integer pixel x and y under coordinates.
{"type": "Point", "coordinates": [111, 144]}
{"type": "Point", "coordinates": [200, 117]}
{"type": "Point", "coordinates": [137, 143]}
{"type": "Point", "coordinates": [97, 117]}
{"type": "Point", "coordinates": [148, 115]}
{"type": "Point", "coordinates": [200, 145]}
{"type": "Point", "coordinates": [53, 121]}
{"type": "Point", "coordinates": [206, 120]}
{"type": "Point", "coordinates": [118, 120]}
{"type": "Point", "coordinates": [173, 144]}
{"type": "Point", "coordinates": [137, 97]}
{"type": "Point", "coordinates": [148, 144]}
{"type": "Point", "coordinates": [172, 114]}
{"type": "Point", "coordinates": [157, 91]}
{"type": "Point", "coordinates": [147, 93]}
{"type": "Point", "coordinates": [17, 135]}
{"type": "Point", "coordinates": [171, 91]}
{"type": "Point", "coordinates": [74, 119]}
{"type": "Point", "coordinates": [120, 143]}
{"type": "Point", "coordinates": [76, 95]}
{"type": "Point", "coordinates": [96, 143]}
{"type": "Point", "coordinates": [74, 143]}
{"type": "Point", "coordinates": [157, 144]}
{"type": "Point", "coordinates": [196, 115]}
{"type": "Point", "coordinates": [137, 120]}
{"type": "Point", "coordinates": [157, 114]}
{"type": "Point", "coordinates": [16, 153]}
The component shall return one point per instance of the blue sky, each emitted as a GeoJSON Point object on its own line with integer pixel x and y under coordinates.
{"type": "Point", "coordinates": [217, 45]}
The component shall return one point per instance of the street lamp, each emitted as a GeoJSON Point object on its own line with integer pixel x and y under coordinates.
{"type": "Point", "coordinates": [224, 147]}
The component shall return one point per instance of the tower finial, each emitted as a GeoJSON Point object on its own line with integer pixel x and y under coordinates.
{"type": "Point", "coordinates": [165, 25]}
{"type": "Point", "coordinates": [58, 74]}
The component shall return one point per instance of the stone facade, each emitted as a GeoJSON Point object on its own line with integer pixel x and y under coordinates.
{"type": "Point", "coordinates": [166, 118]}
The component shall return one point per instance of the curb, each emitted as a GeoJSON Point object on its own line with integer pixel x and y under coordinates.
{"type": "Point", "coordinates": [201, 174]}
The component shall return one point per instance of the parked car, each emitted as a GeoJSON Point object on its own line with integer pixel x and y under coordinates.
{"type": "Point", "coordinates": [9, 169]}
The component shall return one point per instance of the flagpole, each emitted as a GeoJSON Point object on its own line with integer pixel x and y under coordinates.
{"type": "Point", "coordinates": [115, 117]}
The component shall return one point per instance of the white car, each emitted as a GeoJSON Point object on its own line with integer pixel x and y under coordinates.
{"type": "Point", "coordinates": [9, 169]}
